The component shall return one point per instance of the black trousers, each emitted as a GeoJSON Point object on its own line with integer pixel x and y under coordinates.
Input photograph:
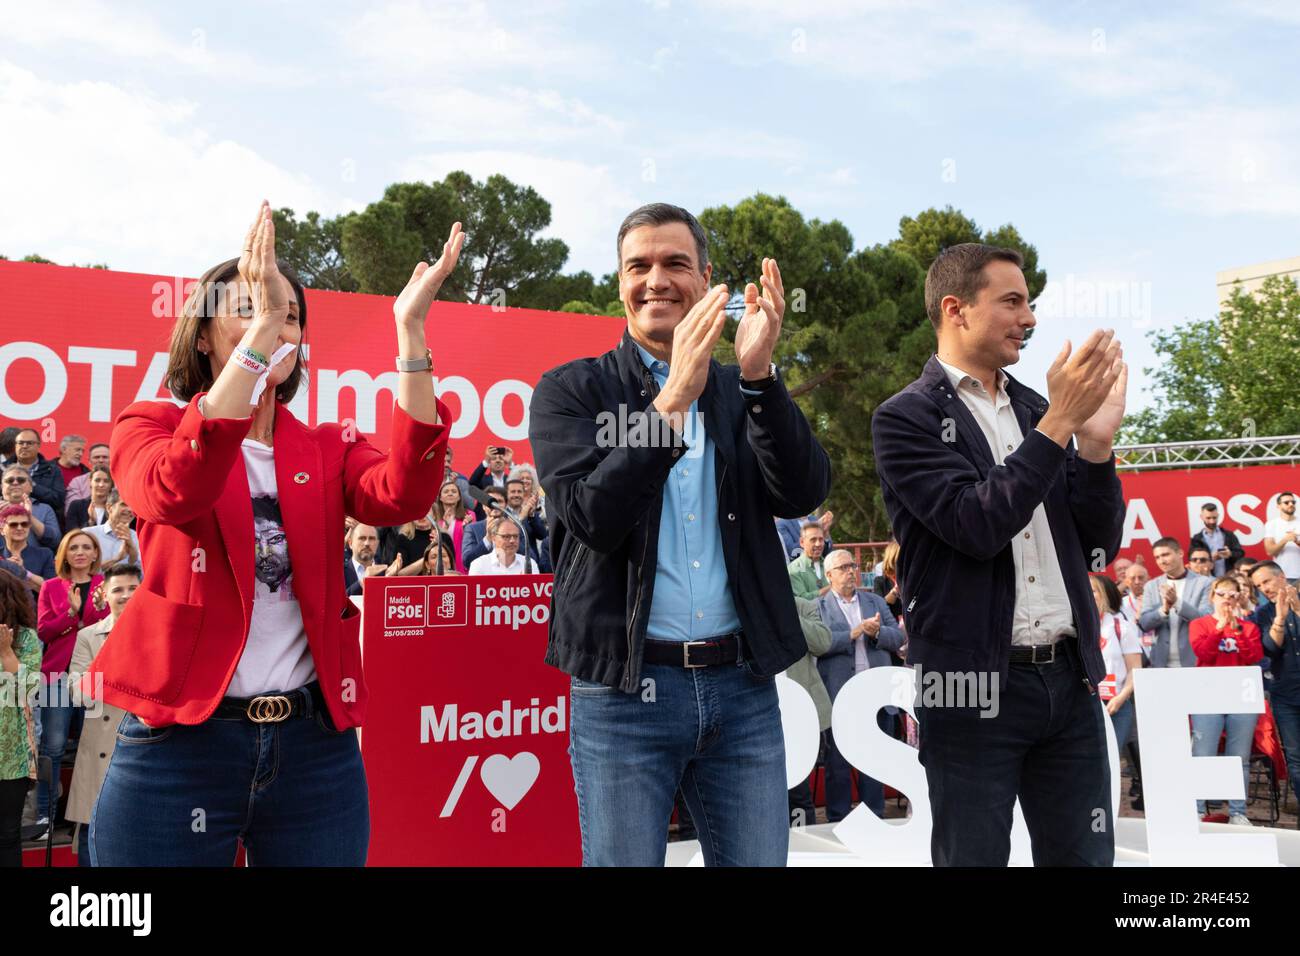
{"type": "Point", "coordinates": [13, 794]}
{"type": "Point", "coordinates": [1047, 746]}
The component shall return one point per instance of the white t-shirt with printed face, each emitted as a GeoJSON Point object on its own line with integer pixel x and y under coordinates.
{"type": "Point", "coordinates": [1288, 559]}
{"type": "Point", "coordinates": [276, 656]}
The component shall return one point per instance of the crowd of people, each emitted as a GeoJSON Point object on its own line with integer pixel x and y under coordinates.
{"type": "Point", "coordinates": [71, 552]}
{"type": "Point", "coordinates": [1209, 606]}
{"type": "Point", "coordinates": [71, 561]}
{"type": "Point", "coordinates": [213, 663]}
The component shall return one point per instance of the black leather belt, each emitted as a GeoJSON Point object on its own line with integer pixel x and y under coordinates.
{"type": "Point", "coordinates": [1039, 653]}
{"type": "Point", "coordinates": [272, 708]}
{"type": "Point", "coordinates": [708, 653]}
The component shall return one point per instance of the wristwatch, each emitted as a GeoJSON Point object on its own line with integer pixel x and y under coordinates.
{"type": "Point", "coordinates": [762, 383]}
{"type": "Point", "coordinates": [424, 364]}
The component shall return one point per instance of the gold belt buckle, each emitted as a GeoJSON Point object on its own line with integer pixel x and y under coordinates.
{"type": "Point", "coordinates": [269, 710]}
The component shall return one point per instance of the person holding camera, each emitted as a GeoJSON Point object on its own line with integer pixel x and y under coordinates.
{"type": "Point", "coordinates": [493, 469]}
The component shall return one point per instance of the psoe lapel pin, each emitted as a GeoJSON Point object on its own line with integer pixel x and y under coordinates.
{"type": "Point", "coordinates": [301, 477]}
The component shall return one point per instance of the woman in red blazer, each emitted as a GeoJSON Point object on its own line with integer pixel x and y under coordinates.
{"type": "Point", "coordinates": [238, 658]}
{"type": "Point", "coordinates": [1222, 639]}
{"type": "Point", "coordinates": [68, 602]}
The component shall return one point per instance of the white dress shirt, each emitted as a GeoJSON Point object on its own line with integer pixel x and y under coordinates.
{"type": "Point", "coordinates": [1180, 584]}
{"type": "Point", "coordinates": [853, 614]}
{"type": "Point", "coordinates": [1042, 612]}
{"type": "Point", "coordinates": [360, 569]}
{"type": "Point", "coordinates": [490, 563]}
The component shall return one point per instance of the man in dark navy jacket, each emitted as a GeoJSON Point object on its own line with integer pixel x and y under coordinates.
{"type": "Point", "coordinates": [1000, 518]}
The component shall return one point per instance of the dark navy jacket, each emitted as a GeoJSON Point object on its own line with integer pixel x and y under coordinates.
{"type": "Point", "coordinates": [604, 498]}
{"type": "Point", "coordinates": [954, 513]}
{"type": "Point", "coordinates": [1284, 661]}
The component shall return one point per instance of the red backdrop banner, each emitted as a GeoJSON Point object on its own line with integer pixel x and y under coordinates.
{"type": "Point", "coordinates": [79, 345]}
{"type": "Point", "coordinates": [467, 731]}
{"type": "Point", "coordinates": [1163, 503]}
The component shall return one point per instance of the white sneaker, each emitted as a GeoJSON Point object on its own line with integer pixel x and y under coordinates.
{"type": "Point", "coordinates": [1240, 820]}
{"type": "Point", "coordinates": [38, 831]}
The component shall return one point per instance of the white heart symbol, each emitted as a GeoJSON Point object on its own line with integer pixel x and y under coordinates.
{"type": "Point", "coordinates": [509, 779]}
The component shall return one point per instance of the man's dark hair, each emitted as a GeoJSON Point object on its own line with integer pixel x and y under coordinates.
{"type": "Point", "coordinates": [1209, 506]}
{"type": "Point", "coordinates": [98, 444]}
{"type": "Point", "coordinates": [494, 491]}
{"type": "Point", "coordinates": [661, 214]}
{"type": "Point", "coordinates": [1166, 542]}
{"type": "Point", "coordinates": [1198, 549]}
{"type": "Point", "coordinates": [1268, 566]}
{"type": "Point", "coordinates": [1284, 494]}
{"type": "Point", "coordinates": [266, 508]}
{"type": "Point", "coordinates": [7, 441]}
{"type": "Point", "coordinates": [959, 270]}
{"type": "Point", "coordinates": [1246, 564]}
{"type": "Point", "coordinates": [122, 570]}
{"type": "Point", "coordinates": [513, 481]}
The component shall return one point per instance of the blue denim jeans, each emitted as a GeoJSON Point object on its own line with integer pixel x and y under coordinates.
{"type": "Point", "coordinates": [838, 794]}
{"type": "Point", "coordinates": [1287, 717]}
{"type": "Point", "coordinates": [713, 731]}
{"type": "Point", "coordinates": [1047, 746]}
{"type": "Point", "coordinates": [55, 721]}
{"type": "Point", "coordinates": [1206, 730]}
{"type": "Point", "coordinates": [294, 793]}
{"type": "Point", "coordinates": [83, 845]}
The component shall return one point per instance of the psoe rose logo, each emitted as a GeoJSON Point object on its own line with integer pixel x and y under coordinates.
{"type": "Point", "coordinates": [448, 605]}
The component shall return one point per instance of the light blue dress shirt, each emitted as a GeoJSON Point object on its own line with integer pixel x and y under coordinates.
{"type": "Point", "coordinates": [692, 596]}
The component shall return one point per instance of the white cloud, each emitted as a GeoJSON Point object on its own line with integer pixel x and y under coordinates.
{"type": "Point", "coordinates": [118, 31]}
{"type": "Point", "coordinates": [1216, 160]}
{"type": "Point", "coordinates": [448, 40]}
{"type": "Point", "coordinates": [903, 42]}
{"type": "Point", "coordinates": [460, 115]}
{"type": "Point", "coordinates": [93, 172]}
{"type": "Point", "coordinates": [587, 200]}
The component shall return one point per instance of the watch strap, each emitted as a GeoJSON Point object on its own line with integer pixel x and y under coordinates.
{"type": "Point", "coordinates": [422, 364]}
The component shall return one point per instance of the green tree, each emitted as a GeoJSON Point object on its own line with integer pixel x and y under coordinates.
{"type": "Point", "coordinates": [504, 259]}
{"type": "Point", "coordinates": [1226, 377]}
{"type": "Point", "coordinates": [314, 247]}
{"type": "Point", "coordinates": [925, 235]}
{"type": "Point", "coordinates": [855, 329]}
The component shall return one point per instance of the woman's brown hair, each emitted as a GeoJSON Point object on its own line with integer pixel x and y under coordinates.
{"type": "Point", "coordinates": [188, 370]}
{"type": "Point", "coordinates": [63, 567]}
{"type": "Point", "coordinates": [15, 606]}
{"type": "Point", "coordinates": [439, 509]}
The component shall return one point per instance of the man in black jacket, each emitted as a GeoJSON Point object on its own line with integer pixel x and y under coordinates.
{"type": "Point", "coordinates": [1225, 550]}
{"type": "Point", "coordinates": [999, 520]}
{"type": "Point", "coordinates": [47, 479]}
{"type": "Point", "coordinates": [671, 608]}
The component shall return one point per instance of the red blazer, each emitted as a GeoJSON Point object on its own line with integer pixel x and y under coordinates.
{"type": "Point", "coordinates": [1204, 635]}
{"type": "Point", "coordinates": [57, 627]}
{"type": "Point", "coordinates": [176, 645]}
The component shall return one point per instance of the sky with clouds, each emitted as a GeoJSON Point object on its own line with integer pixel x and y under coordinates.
{"type": "Point", "coordinates": [1141, 150]}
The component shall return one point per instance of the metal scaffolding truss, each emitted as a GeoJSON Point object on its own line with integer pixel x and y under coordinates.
{"type": "Point", "coordinates": [1275, 450]}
